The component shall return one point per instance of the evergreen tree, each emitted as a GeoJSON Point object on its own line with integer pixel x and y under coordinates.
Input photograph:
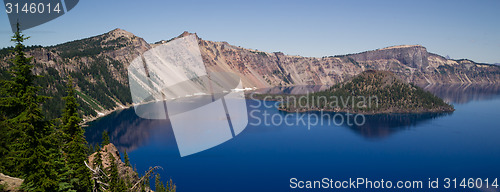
{"type": "Point", "coordinates": [97, 159]}
{"type": "Point", "coordinates": [75, 147]}
{"type": "Point", "coordinates": [21, 81]}
{"type": "Point", "coordinates": [105, 138]}
{"type": "Point", "coordinates": [145, 184]}
{"type": "Point", "coordinates": [115, 183]}
{"type": "Point", "coordinates": [159, 187]}
{"type": "Point", "coordinates": [97, 162]}
{"type": "Point", "coordinates": [4, 144]}
{"type": "Point", "coordinates": [97, 147]}
{"type": "Point", "coordinates": [91, 149]}
{"type": "Point", "coordinates": [125, 158]}
{"type": "Point", "coordinates": [11, 106]}
{"type": "Point", "coordinates": [64, 173]}
{"type": "Point", "coordinates": [32, 150]}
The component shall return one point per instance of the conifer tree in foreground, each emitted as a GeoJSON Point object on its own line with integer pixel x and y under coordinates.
{"type": "Point", "coordinates": [11, 106]}
{"type": "Point", "coordinates": [32, 154]}
{"type": "Point", "coordinates": [75, 148]}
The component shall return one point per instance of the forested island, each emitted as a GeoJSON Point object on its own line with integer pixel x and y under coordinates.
{"type": "Point", "coordinates": [371, 92]}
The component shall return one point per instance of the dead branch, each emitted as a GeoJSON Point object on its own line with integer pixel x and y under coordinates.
{"type": "Point", "coordinates": [146, 175]}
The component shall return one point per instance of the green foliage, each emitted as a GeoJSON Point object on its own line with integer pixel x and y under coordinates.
{"type": "Point", "coordinates": [263, 54]}
{"type": "Point", "coordinates": [3, 187]}
{"type": "Point", "coordinates": [33, 145]}
{"type": "Point", "coordinates": [88, 47]}
{"type": "Point", "coordinates": [47, 158]}
{"type": "Point", "coordinates": [106, 84]}
{"type": "Point", "coordinates": [97, 159]}
{"type": "Point", "coordinates": [160, 187]}
{"type": "Point", "coordinates": [54, 86]}
{"type": "Point", "coordinates": [353, 61]}
{"type": "Point", "coordinates": [64, 173]}
{"type": "Point", "coordinates": [125, 158]}
{"type": "Point", "coordinates": [92, 102]}
{"type": "Point", "coordinates": [95, 76]}
{"type": "Point", "coordinates": [115, 183]}
{"type": "Point", "coordinates": [38, 144]}
{"type": "Point", "coordinates": [145, 184]}
{"type": "Point", "coordinates": [9, 50]}
{"type": "Point", "coordinates": [75, 146]}
{"type": "Point", "coordinates": [105, 138]}
{"type": "Point", "coordinates": [371, 92]}
{"type": "Point", "coordinates": [4, 150]}
{"type": "Point", "coordinates": [97, 147]}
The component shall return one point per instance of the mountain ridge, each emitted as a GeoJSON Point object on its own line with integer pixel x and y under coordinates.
{"type": "Point", "coordinates": [99, 66]}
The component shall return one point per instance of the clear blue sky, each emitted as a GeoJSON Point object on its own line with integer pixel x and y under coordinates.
{"type": "Point", "coordinates": [460, 29]}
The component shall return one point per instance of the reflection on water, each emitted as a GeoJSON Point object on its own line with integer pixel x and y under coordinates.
{"type": "Point", "coordinates": [429, 145]}
{"type": "Point", "coordinates": [126, 130]}
{"type": "Point", "coordinates": [377, 126]}
{"type": "Point", "coordinates": [464, 93]}
{"type": "Point", "coordinates": [383, 125]}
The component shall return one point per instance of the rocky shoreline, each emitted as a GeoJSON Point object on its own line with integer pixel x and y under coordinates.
{"type": "Point", "coordinates": [88, 119]}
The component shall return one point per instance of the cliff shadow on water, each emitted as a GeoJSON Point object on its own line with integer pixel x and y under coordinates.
{"type": "Point", "coordinates": [126, 130]}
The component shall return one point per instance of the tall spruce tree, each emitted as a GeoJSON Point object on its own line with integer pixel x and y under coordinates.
{"type": "Point", "coordinates": [75, 147]}
{"type": "Point", "coordinates": [11, 106]}
{"type": "Point", "coordinates": [12, 91]}
{"type": "Point", "coordinates": [32, 149]}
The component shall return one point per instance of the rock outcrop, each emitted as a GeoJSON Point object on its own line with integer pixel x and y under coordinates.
{"type": "Point", "coordinates": [124, 172]}
{"type": "Point", "coordinates": [10, 184]}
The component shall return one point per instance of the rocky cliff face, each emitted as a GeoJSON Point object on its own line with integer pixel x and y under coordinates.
{"type": "Point", "coordinates": [410, 62]}
{"type": "Point", "coordinates": [99, 66]}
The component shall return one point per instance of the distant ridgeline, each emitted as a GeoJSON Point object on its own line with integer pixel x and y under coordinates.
{"type": "Point", "coordinates": [99, 65]}
{"type": "Point", "coordinates": [371, 92]}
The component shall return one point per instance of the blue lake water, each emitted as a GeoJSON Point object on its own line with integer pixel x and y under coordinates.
{"type": "Point", "coordinates": [462, 144]}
